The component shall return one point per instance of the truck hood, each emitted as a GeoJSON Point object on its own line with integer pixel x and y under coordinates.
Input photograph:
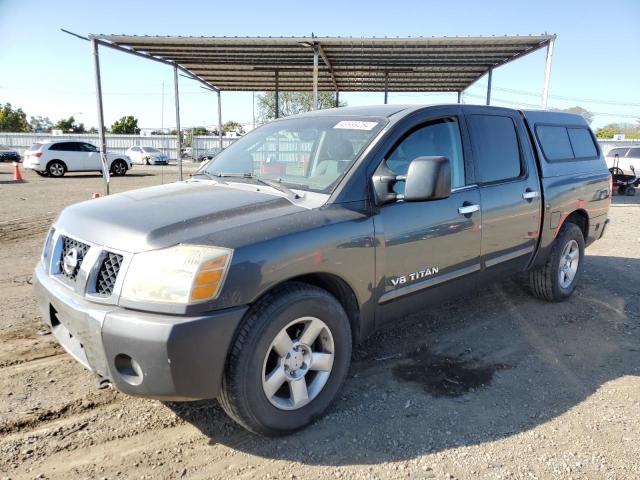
{"type": "Point", "coordinates": [162, 216]}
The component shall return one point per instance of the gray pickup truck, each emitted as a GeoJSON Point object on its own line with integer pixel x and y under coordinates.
{"type": "Point", "coordinates": [251, 281]}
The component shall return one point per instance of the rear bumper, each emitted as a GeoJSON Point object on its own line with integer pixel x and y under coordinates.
{"type": "Point", "coordinates": [32, 164]}
{"type": "Point", "coordinates": [158, 356]}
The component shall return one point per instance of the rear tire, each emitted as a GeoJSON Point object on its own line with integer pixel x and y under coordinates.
{"type": "Point", "coordinates": [56, 169]}
{"type": "Point", "coordinates": [118, 168]}
{"type": "Point", "coordinates": [557, 278]}
{"type": "Point", "coordinates": [289, 359]}
{"type": "Point", "coordinates": [630, 191]}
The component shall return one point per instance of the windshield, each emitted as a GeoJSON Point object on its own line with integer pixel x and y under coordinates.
{"type": "Point", "coordinates": [151, 150]}
{"type": "Point", "coordinates": [305, 153]}
{"type": "Point", "coordinates": [35, 146]}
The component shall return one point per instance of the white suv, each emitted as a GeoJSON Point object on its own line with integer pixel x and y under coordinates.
{"type": "Point", "coordinates": [55, 158]}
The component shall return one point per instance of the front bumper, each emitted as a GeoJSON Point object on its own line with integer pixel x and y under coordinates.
{"type": "Point", "coordinates": [167, 357]}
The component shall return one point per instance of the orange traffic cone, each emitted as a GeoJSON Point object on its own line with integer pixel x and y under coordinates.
{"type": "Point", "coordinates": [17, 176]}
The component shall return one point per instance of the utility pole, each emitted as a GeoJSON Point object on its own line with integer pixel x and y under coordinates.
{"type": "Point", "coordinates": [162, 114]}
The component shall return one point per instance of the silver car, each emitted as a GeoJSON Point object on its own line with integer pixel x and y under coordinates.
{"type": "Point", "coordinates": [624, 158]}
{"type": "Point", "coordinates": [147, 156]}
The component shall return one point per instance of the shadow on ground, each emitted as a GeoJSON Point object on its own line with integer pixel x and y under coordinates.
{"type": "Point", "coordinates": [486, 367]}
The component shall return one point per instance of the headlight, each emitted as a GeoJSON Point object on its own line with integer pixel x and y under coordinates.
{"type": "Point", "coordinates": [183, 274]}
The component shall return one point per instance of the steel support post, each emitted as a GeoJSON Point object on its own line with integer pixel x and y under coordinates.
{"type": "Point", "coordinates": [386, 87]}
{"type": "Point", "coordinates": [103, 140]}
{"type": "Point", "coordinates": [489, 86]}
{"type": "Point", "coordinates": [337, 98]}
{"type": "Point", "coordinates": [220, 118]}
{"type": "Point", "coordinates": [277, 95]}
{"type": "Point", "coordinates": [315, 76]}
{"type": "Point", "coordinates": [547, 74]}
{"type": "Point", "coordinates": [459, 97]}
{"type": "Point", "coordinates": [178, 130]}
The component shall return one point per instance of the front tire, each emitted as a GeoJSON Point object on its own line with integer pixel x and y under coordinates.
{"type": "Point", "coordinates": [557, 278]}
{"type": "Point", "coordinates": [289, 359]}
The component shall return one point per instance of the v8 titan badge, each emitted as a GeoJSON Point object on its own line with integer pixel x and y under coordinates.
{"type": "Point", "coordinates": [402, 279]}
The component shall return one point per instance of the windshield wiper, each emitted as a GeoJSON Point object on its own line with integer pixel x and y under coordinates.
{"type": "Point", "coordinates": [278, 185]}
{"type": "Point", "coordinates": [210, 176]}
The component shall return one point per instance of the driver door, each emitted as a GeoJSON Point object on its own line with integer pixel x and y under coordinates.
{"type": "Point", "coordinates": [428, 250]}
{"type": "Point", "coordinates": [91, 157]}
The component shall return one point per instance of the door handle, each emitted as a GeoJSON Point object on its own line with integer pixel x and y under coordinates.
{"type": "Point", "coordinates": [530, 195]}
{"type": "Point", "coordinates": [468, 209]}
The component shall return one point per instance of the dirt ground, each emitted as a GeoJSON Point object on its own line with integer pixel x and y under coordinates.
{"type": "Point", "coordinates": [496, 385]}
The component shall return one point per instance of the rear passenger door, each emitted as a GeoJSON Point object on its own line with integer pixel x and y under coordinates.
{"type": "Point", "coordinates": [510, 191]}
{"type": "Point", "coordinates": [70, 153]}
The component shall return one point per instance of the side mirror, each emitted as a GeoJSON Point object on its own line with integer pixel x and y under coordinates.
{"type": "Point", "coordinates": [428, 178]}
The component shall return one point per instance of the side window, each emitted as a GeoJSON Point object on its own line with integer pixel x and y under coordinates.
{"type": "Point", "coordinates": [582, 143]}
{"type": "Point", "coordinates": [566, 143]}
{"type": "Point", "coordinates": [438, 138]}
{"type": "Point", "coordinates": [496, 148]}
{"type": "Point", "coordinates": [555, 142]}
{"type": "Point", "coordinates": [634, 153]}
{"type": "Point", "coordinates": [74, 147]}
{"type": "Point", "coordinates": [65, 147]}
{"type": "Point", "coordinates": [616, 151]}
{"type": "Point", "coordinates": [135, 149]}
{"type": "Point", "coordinates": [87, 147]}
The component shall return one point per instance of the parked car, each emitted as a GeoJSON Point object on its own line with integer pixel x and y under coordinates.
{"type": "Point", "coordinates": [8, 154]}
{"type": "Point", "coordinates": [208, 154]}
{"type": "Point", "coordinates": [254, 288]}
{"type": "Point", "coordinates": [55, 158]}
{"type": "Point", "coordinates": [624, 158]}
{"type": "Point", "coordinates": [147, 155]}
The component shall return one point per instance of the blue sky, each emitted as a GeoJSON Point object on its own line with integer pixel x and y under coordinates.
{"type": "Point", "coordinates": [46, 72]}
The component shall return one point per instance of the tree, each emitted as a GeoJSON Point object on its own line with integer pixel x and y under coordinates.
{"type": "Point", "coordinates": [68, 125]}
{"type": "Point", "coordinates": [628, 129]}
{"type": "Point", "coordinates": [126, 125]}
{"type": "Point", "coordinates": [588, 116]}
{"type": "Point", "coordinates": [292, 103]}
{"type": "Point", "coordinates": [13, 120]}
{"type": "Point", "coordinates": [608, 131]}
{"type": "Point", "coordinates": [41, 124]}
{"type": "Point", "coordinates": [233, 126]}
{"type": "Point", "coordinates": [199, 131]}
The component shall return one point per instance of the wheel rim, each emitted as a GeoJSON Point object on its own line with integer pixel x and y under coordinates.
{"type": "Point", "coordinates": [118, 168]}
{"type": "Point", "coordinates": [56, 169]}
{"type": "Point", "coordinates": [569, 263]}
{"type": "Point", "coordinates": [298, 363]}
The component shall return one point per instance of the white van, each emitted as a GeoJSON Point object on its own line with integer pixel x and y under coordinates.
{"type": "Point", "coordinates": [55, 158]}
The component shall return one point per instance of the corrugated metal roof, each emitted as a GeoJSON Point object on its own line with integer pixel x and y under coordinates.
{"type": "Point", "coordinates": [417, 64]}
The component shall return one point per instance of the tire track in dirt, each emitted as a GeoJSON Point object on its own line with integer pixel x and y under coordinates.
{"type": "Point", "coordinates": [21, 228]}
{"type": "Point", "coordinates": [90, 402]}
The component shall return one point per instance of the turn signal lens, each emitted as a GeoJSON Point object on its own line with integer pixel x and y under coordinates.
{"type": "Point", "coordinates": [207, 281]}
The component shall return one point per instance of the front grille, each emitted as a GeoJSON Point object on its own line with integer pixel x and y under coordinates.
{"type": "Point", "coordinates": [69, 270]}
{"type": "Point", "coordinates": [108, 273]}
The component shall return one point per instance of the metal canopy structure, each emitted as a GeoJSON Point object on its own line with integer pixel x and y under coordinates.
{"type": "Point", "coordinates": [337, 64]}
{"type": "Point", "coordinates": [422, 64]}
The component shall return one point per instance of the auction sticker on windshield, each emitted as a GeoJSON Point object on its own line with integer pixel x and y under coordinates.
{"type": "Point", "coordinates": [355, 125]}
